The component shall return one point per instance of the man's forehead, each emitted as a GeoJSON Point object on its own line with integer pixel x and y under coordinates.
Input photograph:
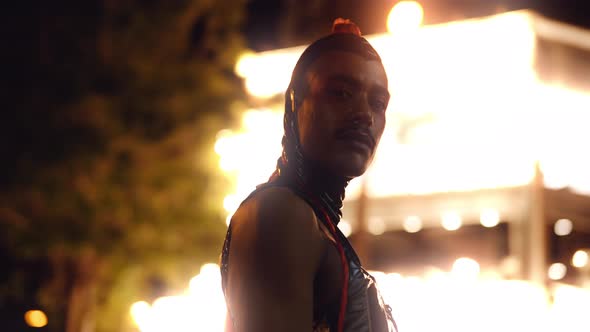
{"type": "Point", "coordinates": [346, 66]}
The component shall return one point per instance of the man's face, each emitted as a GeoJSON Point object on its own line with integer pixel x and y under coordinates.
{"type": "Point", "coordinates": [342, 116]}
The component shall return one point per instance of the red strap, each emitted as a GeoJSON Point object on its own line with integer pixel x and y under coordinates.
{"type": "Point", "coordinates": [345, 270]}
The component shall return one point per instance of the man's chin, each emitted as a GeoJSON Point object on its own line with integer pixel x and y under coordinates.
{"type": "Point", "coordinates": [355, 173]}
{"type": "Point", "coordinates": [352, 167]}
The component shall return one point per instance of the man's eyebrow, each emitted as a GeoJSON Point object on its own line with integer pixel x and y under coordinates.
{"type": "Point", "coordinates": [382, 91]}
{"type": "Point", "coordinates": [347, 79]}
{"type": "Point", "coordinates": [344, 78]}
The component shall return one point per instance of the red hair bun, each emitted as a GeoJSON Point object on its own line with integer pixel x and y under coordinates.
{"type": "Point", "coordinates": [342, 25]}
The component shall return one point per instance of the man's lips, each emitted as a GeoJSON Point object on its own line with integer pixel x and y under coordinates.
{"type": "Point", "coordinates": [357, 135]}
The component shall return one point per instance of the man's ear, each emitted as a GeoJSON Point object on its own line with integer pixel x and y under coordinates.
{"type": "Point", "coordinates": [292, 100]}
{"type": "Point", "coordinates": [295, 100]}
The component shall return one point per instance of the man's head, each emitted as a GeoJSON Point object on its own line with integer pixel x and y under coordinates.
{"type": "Point", "coordinates": [338, 96]}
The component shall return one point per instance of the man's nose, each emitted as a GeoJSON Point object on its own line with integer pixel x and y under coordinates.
{"type": "Point", "coordinates": [362, 113]}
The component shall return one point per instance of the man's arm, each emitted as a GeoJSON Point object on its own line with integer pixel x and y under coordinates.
{"type": "Point", "coordinates": [275, 251]}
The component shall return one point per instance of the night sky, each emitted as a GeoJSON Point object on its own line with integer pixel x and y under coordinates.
{"type": "Point", "coordinates": [264, 16]}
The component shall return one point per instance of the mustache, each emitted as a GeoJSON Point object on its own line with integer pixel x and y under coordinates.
{"type": "Point", "coordinates": [358, 133]}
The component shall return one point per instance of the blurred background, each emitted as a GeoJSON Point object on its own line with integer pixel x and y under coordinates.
{"type": "Point", "coordinates": [133, 129]}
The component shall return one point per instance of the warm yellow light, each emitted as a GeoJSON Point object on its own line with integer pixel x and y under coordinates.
{"type": "Point", "coordinates": [140, 312]}
{"type": "Point", "coordinates": [248, 156]}
{"type": "Point", "coordinates": [580, 259]}
{"type": "Point", "coordinates": [489, 217]}
{"type": "Point", "coordinates": [224, 147]}
{"type": "Point", "coordinates": [345, 227]}
{"type": "Point", "coordinates": [206, 298]}
{"type": "Point", "coordinates": [221, 145]}
{"type": "Point", "coordinates": [458, 301]}
{"type": "Point", "coordinates": [412, 224]}
{"type": "Point", "coordinates": [497, 52]}
{"type": "Point", "coordinates": [570, 308]}
{"type": "Point", "coordinates": [209, 269]}
{"type": "Point", "coordinates": [563, 227]}
{"type": "Point", "coordinates": [277, 64]}
{"type": "Point", "coordinates": [557, 271]}
{"type": "Point", "coordinates": [230, 203]}
{"type": "Point", "coordinates": [35, 318]}
{"type": "Point", "coordinates": [376, 226]}
{"type": "Point", "coordinates": [510, 266]}
{"type": "Point", "coordinates": [176, 313]}
{"type": "Point", "coordinates": [465, 268]}
{"type": "Point", "coordinates": [451, 221]}
{"type": "Point", "coordinates": [245, 63]}
{"type": "Point", "coordinates": [208, 275]}
{"type": "Point", "coordinates": [404, 16]}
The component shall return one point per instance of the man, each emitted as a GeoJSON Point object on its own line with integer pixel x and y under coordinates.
{"type": "Point", "coordinates": [285, 264]}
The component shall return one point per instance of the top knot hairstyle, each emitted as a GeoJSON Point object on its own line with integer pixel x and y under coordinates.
{"type": "Point", "coordinates": [342, 25]}
{"type": "Point", "coordinates": [345, 37]}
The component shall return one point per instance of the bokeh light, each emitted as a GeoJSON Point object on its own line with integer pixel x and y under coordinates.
{"type": "Point", "coordinates": [201, 308]}
{"type": "Point", "coordinates": [557, 271]}
{"type": "Point", "coordinates": [245, 64]}
{"type": "Point", "coordinates": [405, 16]}
{"type": "Point", "coordinates": [461, 49]}
{"type": "Point", "coordinates": [248, 156]}
{"type": "Point", "coordinates": [451, 221]}
{"type": "Point", "coordinates": [376, 226]}
{"type": "Point", "coordinates": [580, 259]}
{"type": "Point", "coordinates": [345, 227]}
{"type": "Point", "coordinates": [489, 218]}
{"type": "Point", "coordinates": [141, 313]}
{"type": "Point", "coordinates": [456, 300]}
{"type": "Point", "coordinates": [412, 224]}
{"type": "Point", "coordinates": [255, 70]}
{"type": "Point", "coordinates": [563, 227]}
{"type": "Point", "coordinates": [465, 269]}
{"type": "Point", "coordinates": [35, 318]}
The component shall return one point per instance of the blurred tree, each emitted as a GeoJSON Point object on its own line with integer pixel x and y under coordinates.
{"type": "Point", "coordinates": [108, 168]}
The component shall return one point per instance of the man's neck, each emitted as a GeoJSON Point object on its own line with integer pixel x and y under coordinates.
{"type": "Point", "coordinates": [321, 183]}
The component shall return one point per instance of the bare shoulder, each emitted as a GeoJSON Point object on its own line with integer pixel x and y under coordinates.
{"type": "Point", "coordinates": [276, 213]}
{"type": "Point", "coordinates": [276, 251]}
{"type": "Point", "coordinates": [276, 201]}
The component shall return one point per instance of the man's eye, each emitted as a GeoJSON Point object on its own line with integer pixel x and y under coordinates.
{"type": "Point", "coordinates": [340, 92]}
{"type": "Point", "coordinates": [379, 105]}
